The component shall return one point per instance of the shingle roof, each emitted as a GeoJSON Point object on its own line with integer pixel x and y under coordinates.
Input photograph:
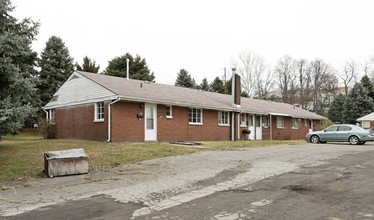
{"type": "Point", "coordinates": [369, 117]}
{"type": "Point", "coordinates": [140, 90]}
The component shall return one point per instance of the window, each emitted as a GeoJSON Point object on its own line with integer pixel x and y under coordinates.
{"type": "Point", "coordinates": [345, 128]}
{"type": "Point", "coordinates": [331, 129]}
{"type": "Point", "coordinates": [195, 116]}
{"type": "Point", "coordinates": [243, 120]}
{"type": "Point", "coordinates": [52, 116]}
{"type": "Point", "coordinates": [365, 124]}
{"type": "Point", "coordinates": [223, 118]}
{"type": "Point", "coordinates": [295, 124]}
{"type": "Point", "coordinates": [280, 122]}
{"type": "Point", "coordinates": [250, 121]}
{"type": "Point", "coordinates": [266, 121]}
{"type": "Point", "coordinates": [99, 112]}
{"type": "Point", "coordinates": [169, 113]}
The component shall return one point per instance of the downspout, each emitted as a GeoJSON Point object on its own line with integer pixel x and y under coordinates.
{"type": "Point", "coordinates": [46, 114]}
{"type": "Point", "coordinates": [271, 128]}
{"type": "Point", "coordinates": [109, 122]}
{"type": "Point", "coordinates": [232, 126]}
{"type": "Point", "coordinates": [239, 125]}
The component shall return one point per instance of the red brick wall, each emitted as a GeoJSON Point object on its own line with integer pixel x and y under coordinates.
{"type": "Point", "coordinates": [282, 133]}
{"type": "Point", "coordinates": [172, 129]}
{"type": "Point", "coordinates": [316, 125]}
{"type": "Point", "coordinates": [125, 124]}
{"type": "Point", "coordinates": [301, 131]}
{"type": "Point", "coordinates": [77, 122]}
{"type": "Point", "coordinates": [371, 124]}
{"type": "Point", "coordinates": [209, 131]}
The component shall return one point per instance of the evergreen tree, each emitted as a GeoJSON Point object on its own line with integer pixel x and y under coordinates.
{"type": "Point", "coordinates": [217, 86]}
{"type": "Point", "coordinates": [184, 79]}
{"type": "Point", "coordinates": [138, 68]}
{"type": "Point", "coordinates": [204, 85]}
{"type": "Point", "coordinates": [17, 62]}
{"type": "Point", "coordinates": [368, 84]}
{"type": "Point", "coordinates": [336, 109]}
{"type": "Point", "coordinates": [88, 66]}
{"type": "Point", "coordinates": [56, 67]}
{"type": "Point", "coordinates": [357, 104]}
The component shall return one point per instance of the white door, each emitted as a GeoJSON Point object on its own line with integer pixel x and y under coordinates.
{"type": "Point", "coordinates": [258, 127]}
{"type": "Point", "coordinates": [310, 126]}
{"type": "Point", "coordinates": [150, 122]}
{"type": "Point", "coordinates": [251, 127]}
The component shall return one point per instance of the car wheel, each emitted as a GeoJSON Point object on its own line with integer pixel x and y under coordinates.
{"type": "Point", "coordinates": [314, 139]}
{"type": "Point", "coordinates": [354, 140]}
{"type": "Point", "coordinates": [362, 142]}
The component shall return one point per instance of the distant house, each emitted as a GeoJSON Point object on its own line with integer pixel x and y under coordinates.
{"type": "Point", "coordinates": [105, 108]}
{"type": "Point", "coordinates": [367, 121]}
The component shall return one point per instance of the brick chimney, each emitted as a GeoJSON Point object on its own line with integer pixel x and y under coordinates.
{"type": "Point", "coordinates": [235, 88]}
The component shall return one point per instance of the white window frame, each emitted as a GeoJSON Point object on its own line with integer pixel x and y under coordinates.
{"type": "Point", "coordinates": [225, 116]}
{"type": "Point", "coordinates": [243, 124]}
{"type": "Point", "coordinates": [171, 111]}
{"type": "Point", "coordinates": [97, 106]}
{"type": "Point", "coordinates": [280, 122]}
{"type": "Point", "coordinates": [201, 116]}
{"type": "Point", "coordinates": [266, 119]}
{"type": "Point", "coordinates": [52, 116]}
{"type": "Point", "coordinates": [296, 124]}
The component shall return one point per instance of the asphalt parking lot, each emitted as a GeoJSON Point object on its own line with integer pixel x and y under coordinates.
{"type": "Point", "coordinates": [313, 181]}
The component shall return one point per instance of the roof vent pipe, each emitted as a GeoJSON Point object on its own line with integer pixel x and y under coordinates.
{"type": "Point", "coordinates": [128, 68]}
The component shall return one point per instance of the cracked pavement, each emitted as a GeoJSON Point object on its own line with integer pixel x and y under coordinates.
{"type": "Point", "coordinates": [152, 189]}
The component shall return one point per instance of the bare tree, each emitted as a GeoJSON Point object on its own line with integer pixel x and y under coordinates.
{"type": "Point", "coordinates": [250, 67]}
{"type": "Point", "coordinates": [286, 78]}
{"type": "Point", "coordinates": [324, 85]}
{"type": "Point", "coordinates": [349, 73]}
{"type": "Point", "coordinates": [304, 77]}
{"type": "Point", "coordinates": [265, 83]}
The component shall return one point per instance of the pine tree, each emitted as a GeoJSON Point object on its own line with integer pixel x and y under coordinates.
{"type": "Point", "coordinates": [336, 108]}
{"type": "Point", "coordinates": [88, 66]}
{"type": "Point", "coordinates": [368, 84]}
{"type": "Point", "coordinates": [217, 86]}
{"type": "Point", "coordinates": [357, 104]}
{"type": "Point", "coordinates": [138, 68]}
{"type": "Point", "coordinates": [17, 74]}
{"type": "Point", "coordinates": [184, 79]}
{"type": "Point", "coordinates": [204, 85]}
{"type": "Point", "coordinates": [56, 67]}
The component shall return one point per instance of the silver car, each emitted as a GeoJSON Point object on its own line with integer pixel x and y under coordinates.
{"type": "Point", "coordinates": [341, 133]}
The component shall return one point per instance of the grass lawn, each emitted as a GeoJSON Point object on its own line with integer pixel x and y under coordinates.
{"type": "Point", "coordinates": [21, 157]}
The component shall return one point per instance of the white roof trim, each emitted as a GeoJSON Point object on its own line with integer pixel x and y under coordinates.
{"type": "Point", "coordinates": [280, 114]}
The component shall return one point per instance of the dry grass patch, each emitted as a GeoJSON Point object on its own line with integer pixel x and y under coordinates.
{"type": "Point", "coordinates": [23, 158]}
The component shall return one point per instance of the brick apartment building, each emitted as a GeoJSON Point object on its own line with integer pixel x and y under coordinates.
{"type": "Point", "coordinates": [105, 108]}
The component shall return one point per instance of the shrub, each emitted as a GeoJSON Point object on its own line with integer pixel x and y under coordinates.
{"type": "Point", "coordinates": [48, 130]}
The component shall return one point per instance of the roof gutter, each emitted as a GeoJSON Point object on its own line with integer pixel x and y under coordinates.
{"type": "Point", "coordinates": [109, 117]}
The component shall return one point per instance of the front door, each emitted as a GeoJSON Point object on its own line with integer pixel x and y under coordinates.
{"type": "Point", "coordinates": [258, 127]}
{"type": "Point", "coordinates": [251, 127]}
{"type": "Point", "coordinates": [310, 126]}
{"type": "Point", "coordinates": [150, 122]}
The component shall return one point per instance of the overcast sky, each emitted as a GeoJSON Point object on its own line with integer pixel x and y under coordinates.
{"type": "Point", "coordinates": [205, 36]}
